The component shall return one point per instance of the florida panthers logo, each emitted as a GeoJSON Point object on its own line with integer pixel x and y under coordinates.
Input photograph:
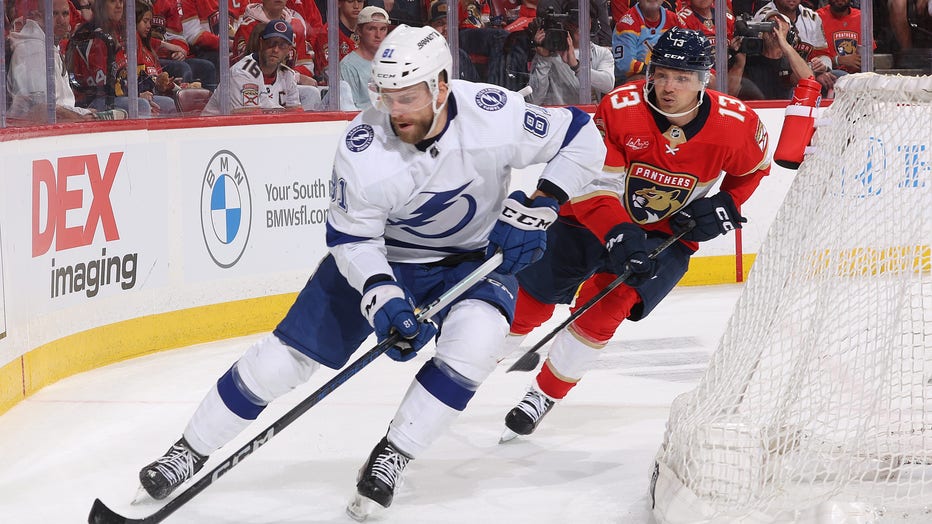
{"type": "Point", "coordinates": [847, 47]}
{"type": "Point", "coordinates": [655, 200]}
{"type": "Point", "coordinates": [652, 194]}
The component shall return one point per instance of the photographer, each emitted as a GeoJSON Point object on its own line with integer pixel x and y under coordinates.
{"type": "Point", "coordinates": [600, 27]}
{"type": "Point", "coordinates": [810, 44]}
{"type": "Point", "coordinates": [556, 63]}
{"type": "Point", "coordinates": [771, 72]}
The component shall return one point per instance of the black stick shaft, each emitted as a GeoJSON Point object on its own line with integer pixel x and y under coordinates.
{"type": "Point", "coordinates": [529, 360]}
{"type": "Point", "coordinates": [101, 514]}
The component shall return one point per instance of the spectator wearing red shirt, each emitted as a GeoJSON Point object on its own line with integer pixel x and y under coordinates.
{"type": "Point", "coordinates": [96, 55]}
{"type": "Point", "coordinates": [154, 85]}
{"type": "Point", "coordinates": [842, 26]}
{"type": "Point", "coordinates": [700, 16]}
{"type": "Point", "coordinates": [302, 57]}
{"type": "Point", "coordinates": [349, 40]}
{"type": "Point", "coordinates": [200, 22]}
{"type": "Point", "coordinates": [174, 53]}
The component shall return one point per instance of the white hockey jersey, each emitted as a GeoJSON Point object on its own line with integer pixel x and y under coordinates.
{"type": "Point", "coordinates": [391, 201]}
{"type": "Point", "coordinates": [249, 90]}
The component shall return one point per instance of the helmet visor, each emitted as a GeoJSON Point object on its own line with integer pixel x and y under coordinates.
{"type": "Point", "coordinates": [663, 77]}
{"type": "Point", "coordinates": [398, 101]}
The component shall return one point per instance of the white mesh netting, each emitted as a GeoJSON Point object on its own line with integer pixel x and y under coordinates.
{"type": "Point", "coordinates": [818, 401]}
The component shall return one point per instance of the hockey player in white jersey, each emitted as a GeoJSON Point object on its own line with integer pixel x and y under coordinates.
{"type": "Point", "coordinates": [418, 201]}
{"type": "Point", "coordinates": [261, 80]}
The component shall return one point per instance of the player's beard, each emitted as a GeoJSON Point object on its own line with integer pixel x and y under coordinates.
{"type": "Point", "coordinates": [412, 130]}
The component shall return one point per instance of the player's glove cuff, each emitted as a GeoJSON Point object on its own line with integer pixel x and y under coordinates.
{"type": "Point", "coordinates": [521, 231]}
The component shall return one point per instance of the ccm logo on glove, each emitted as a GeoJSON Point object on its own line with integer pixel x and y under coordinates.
{"type": "Point", "coordinates": [708, 217]}
{"type": "Point", "coordinates": [521, 231]}
{"type": "Point", "coordinates": [519, 219]}
{"type": "Point", "coordinates": [725, 219]}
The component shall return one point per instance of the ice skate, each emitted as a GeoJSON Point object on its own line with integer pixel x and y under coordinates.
{"type": "Point", "coordinates": [177, 465]}
{"type": "Point", "coordinates": [507, 435]}
{"type": "Point", "coordinates": [524, 418]}
{"type": "Point", "coordinates": [377, 480]}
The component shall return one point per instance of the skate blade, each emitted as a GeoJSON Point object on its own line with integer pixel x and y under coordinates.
{"type": "Point", "coordinates": [507, 435]}
{"type": "Point", "coordinates": [142, 497]}
{"type": "Point", "coordinates": [361, 508]}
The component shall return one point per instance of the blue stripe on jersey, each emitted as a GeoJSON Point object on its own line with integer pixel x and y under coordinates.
{"type": "Point", "coordinates": [237, 397]}
{"type": "Point", "coordinates": [444, 387]}
{"type": "Point", "coordinates": [445, 250]}
{"type": "Point", "coordinates": [336, 238]}
{"type": "Point", "coordinates": [580, 119]}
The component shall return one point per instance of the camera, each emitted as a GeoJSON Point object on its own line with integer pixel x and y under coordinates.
{"type": "Point", "coordinates": [555, 29]}
{"type": "Point", "coordinates": [752, 44]}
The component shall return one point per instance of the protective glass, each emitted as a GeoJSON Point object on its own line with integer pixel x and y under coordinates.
{"type": "Point", "coordinates": [406, 100]}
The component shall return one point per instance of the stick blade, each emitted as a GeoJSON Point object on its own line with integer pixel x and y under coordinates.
{"type": "Point", "coordinates": [527, 362]}
{"type": "Point", "coordinates": [101, 514]}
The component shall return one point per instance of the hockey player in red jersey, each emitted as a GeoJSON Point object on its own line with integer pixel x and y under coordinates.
{"type": "Point", "coordinates": [669, 140]}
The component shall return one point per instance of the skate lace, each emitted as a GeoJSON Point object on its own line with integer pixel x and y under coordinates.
{"type": "Point", "coordinates": [177, 466]}
{"type": "Point", "coordinates": [534, 404]}
{"type": "Point", "coordinates": [388, 466]}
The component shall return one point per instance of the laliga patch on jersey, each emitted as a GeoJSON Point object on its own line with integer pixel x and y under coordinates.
{"type": "Point", "coordinates": [652, 193]}
{"type": "Point", "coordinates": [359, 138]}
{"type": "Point", "coordinates": [637, 143]}
{"type": "Point", "coordinates": [491, 99]}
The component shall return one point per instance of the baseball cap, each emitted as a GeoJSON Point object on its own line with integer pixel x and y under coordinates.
{"type": "Point", "coordinates": [438, 10]}
{"type": "Point", "coordinates": [278, 29]}
{"type": "Point", "coordinates": [770, 13]}
{"type": "Point", "coordinates": [372, 14]}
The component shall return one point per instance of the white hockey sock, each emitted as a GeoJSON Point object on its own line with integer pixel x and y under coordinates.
{"type": "Point", "coordinates": [213, 424]}
{"type": "Point", "coordinates": [420, 419]}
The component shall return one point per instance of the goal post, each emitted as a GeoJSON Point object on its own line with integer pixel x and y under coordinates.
{"type": "Point", "coordinates": [817, 404]}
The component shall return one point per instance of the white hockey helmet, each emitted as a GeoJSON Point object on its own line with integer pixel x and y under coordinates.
{"type": "Point", "coordinates": [410, 55]}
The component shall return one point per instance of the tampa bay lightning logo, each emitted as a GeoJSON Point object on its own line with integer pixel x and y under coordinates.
{"type": "Point", "coordinates": [440, 208]}
{"type": "Point", "coordinates": [359, 138]}
{"type": "Point", "coordinates": [491, 99]}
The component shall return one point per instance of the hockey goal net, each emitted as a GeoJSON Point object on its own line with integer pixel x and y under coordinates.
{"type": "Point", "coordinates": [817, 404]}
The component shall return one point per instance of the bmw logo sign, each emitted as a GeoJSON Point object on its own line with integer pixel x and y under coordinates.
{"type": "Point", "coordinates": [226, 209]}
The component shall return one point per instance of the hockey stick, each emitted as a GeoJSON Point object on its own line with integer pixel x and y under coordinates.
{"type": "Point", "coordinates": [529, 360]}
{"type": "Point", "coordinates": [101, 514]}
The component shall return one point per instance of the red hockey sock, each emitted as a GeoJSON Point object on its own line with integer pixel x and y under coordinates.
{"type": "Point", "coordinates": [529, 313]}
{"type": "Point", "coordinates": [551, 385]}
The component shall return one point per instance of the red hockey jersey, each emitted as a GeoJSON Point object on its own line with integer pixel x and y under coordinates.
{"type": "Point", "coordinates": [651, 172]}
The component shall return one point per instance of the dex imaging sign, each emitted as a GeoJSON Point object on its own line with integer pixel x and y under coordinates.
{"type": "Point", "coordinates": [71, 202]}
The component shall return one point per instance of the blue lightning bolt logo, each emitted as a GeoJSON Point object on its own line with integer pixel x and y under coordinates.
{"type": "Point", "coordinates": [427, 213]}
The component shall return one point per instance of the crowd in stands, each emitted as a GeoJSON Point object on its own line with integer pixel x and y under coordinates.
{"type": "Point", "coordinates": [511, 43]}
